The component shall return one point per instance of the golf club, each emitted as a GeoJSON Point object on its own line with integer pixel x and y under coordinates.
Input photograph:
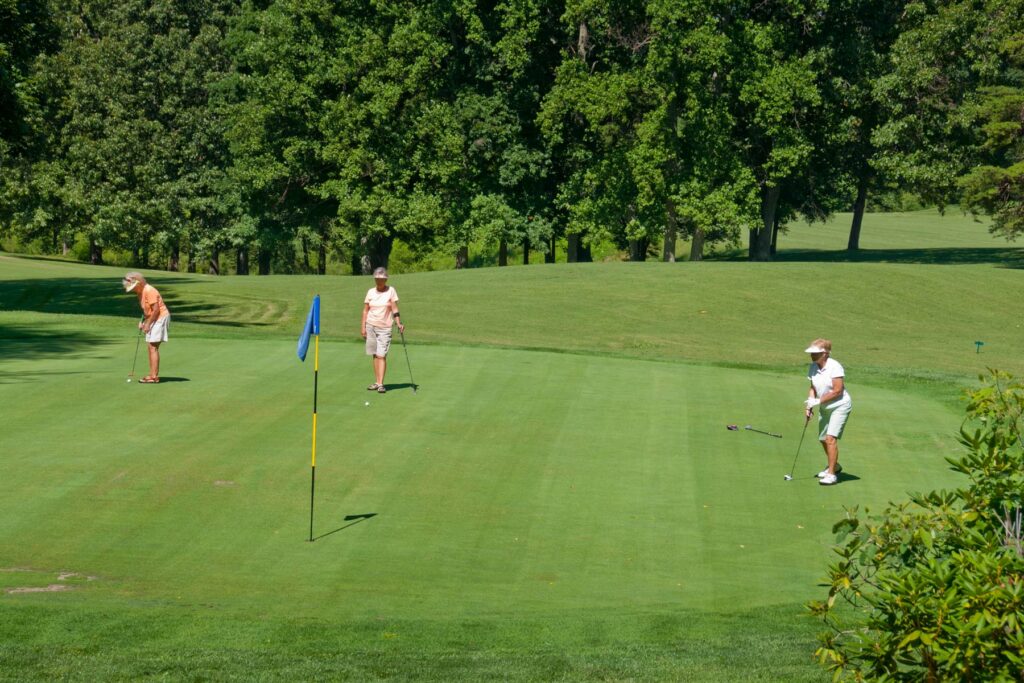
{"type": "Point", "coordinates": [761, 431]}
{"type": "Point", "coordinates": [138, 338]}
{"type": "Point", "coordinates": [789, 477]}
{"type": "Point", "coordinates": [407, 363]}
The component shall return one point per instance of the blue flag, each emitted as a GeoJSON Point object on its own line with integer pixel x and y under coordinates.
{"type": "Point", "coordinates": [312, 328]}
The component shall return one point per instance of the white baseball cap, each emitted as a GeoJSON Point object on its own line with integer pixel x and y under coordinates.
{"type": "Point", "coordinates": [813, 348]}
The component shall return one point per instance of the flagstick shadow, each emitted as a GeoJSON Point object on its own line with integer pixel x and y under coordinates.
{"type": "Point", "coordinates": [352, 519]}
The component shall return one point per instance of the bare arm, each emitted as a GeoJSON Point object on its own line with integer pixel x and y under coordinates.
{"type": "Point", "coordinates": [837, 390]}
{"type": "Point", "coordinates": [397, 316]}
{"type": "Point", "coordinates": [366, 311]}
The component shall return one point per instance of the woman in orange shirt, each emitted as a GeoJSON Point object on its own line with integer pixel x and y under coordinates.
{"type": "Point", "coordinates": [155, 320]}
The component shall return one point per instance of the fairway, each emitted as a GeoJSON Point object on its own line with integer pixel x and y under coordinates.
{"type": "Point", "coordinates": [528, 514]}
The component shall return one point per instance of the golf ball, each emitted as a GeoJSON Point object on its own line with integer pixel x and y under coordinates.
{"type": "Point", "coordinates": [129, 380]}
{"type": "Point", "coordinates": [367, 403]}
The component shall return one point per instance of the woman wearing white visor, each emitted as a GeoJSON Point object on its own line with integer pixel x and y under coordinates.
{"type": "Point", "coordinates": [827, 393]}
{"type": "Point", "coordinates": [155, 321]}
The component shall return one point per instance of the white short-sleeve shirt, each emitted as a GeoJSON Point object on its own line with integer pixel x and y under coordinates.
{"type": "Point", "coordinates": [380, 307]}
{"type": "Point", "coordinates": [821, 379]}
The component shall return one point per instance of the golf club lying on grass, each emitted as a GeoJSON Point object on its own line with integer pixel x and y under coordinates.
{"type": "Point", "coordinates": [761, 431]}
{"type": "Point", "coordinates": [407, 363]}
{"type": "Point", "coordinates": [789, 477]}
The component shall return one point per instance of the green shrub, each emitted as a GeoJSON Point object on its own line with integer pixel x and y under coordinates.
{"type": "Point", "coordinates": [933, 589]}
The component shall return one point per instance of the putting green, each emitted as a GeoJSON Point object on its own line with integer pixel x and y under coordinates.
{"type": "Point", "coordinates": [513, 483]}
{"type": "Point", "coordinates": [527, 515]}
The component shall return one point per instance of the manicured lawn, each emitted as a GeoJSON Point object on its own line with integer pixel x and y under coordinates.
{"type": "Point", "coordinates": [529, 514]}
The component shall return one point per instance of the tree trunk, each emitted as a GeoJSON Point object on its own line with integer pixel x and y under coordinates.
{"type": "Point", "coordinates": [306, 268]}
{"type": "Point", "coordinates": [65, 248]}
{"type": "Point", "coordinates": [761, 237]}
{"type": "Point", "coordinates": [775, 235]}
{"type": "Point", "coordinates": [462, 258]}
{"type": "Point", "coordinates": [502, 253]}
{"type": "Point", "coordinates": [549, 255]}
{"type": "Point", "coordinates": [191, 260]}
{"type": "Point", "coordinates": [638, 249]}
{"type": "Point", "coordinates": [136, 259]}
{"type": "Point", "coordinates": [321, 264]}
{"type": "Point", "coordinates": [214, 265]}
{"type": "Point", "coordinates": [668, 247]}
{"type": "Point", "coordinates": [145, 254]}
{"type": "Point", "coordinates": [380, 251]}
{"type": "Point", "coordinates": [572, 248]}
{"type": "Point", "coordinates": [174, 258]}
{"type": "Point", "coordinates": [858, 213]}
{"type": "Point", "coordinates": [263, 257]}
{"type": "Point", "coordinates": [95, 253]}
{"type": "Point", "coordinates": [697, 244]}
{"type": "Point", "coordinates": [526, 251]}
{"type": "Point", "coordinates": [242, 261]}
{"type": "Point", "coordinates": [376, 252]}
{"type": "Point", "coordinates": [585, 254]}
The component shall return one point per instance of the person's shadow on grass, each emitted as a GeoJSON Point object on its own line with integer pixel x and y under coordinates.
{"type": "Point", "coordinates": [173, 379]}
{"type": "Point", "coordinates": [406, 385]}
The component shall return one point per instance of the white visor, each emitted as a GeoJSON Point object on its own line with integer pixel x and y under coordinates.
{"type": "Point", "coordinates": [814, 349]}
{"type": "Point", "coordinates": [129, 285]}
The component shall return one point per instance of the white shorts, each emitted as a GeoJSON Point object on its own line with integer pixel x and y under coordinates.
{"type": "Point", "coordinates": [378, 341]}
{"type": "Point", "coordinates": [831, 422]}
{"type": "Point", "coordinates": [158, 333]}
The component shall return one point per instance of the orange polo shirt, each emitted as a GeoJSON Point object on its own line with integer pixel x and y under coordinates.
{"type": "Point", "coordinates": [150, 301]}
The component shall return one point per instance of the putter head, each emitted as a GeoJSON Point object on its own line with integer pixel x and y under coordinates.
{"type": "Point", "coordinates": [787, 477]}
{"type": "Point", "coordinates": [732, 428]}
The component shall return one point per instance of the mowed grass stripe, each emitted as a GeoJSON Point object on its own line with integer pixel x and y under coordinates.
{"type": "Point", "coordinates": [585, 484]}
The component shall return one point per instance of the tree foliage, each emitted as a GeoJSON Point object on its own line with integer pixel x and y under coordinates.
{"type": "Point", "coordinates": [290, 131]}
{"type": "Point", "coordinates": [933, 589]}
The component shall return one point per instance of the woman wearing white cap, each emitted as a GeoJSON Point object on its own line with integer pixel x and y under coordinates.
{"type": "Point", "coordinates": [380, 312]}
{"type": "Point", "coordinates": [827, 393]}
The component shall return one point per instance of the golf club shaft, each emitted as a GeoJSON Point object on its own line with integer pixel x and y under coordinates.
{"type": "Point", "coordinates": [761, 431]}
{"type": "Point", "coordinates": [407, 363]}
{"type": "Point", "coordinates": [138, 339]}
{"type": "Point", "coordinates": [793, 468]}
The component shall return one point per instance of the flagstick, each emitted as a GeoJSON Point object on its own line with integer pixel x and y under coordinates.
{"type": "Point", "coordinates": [312, 480]}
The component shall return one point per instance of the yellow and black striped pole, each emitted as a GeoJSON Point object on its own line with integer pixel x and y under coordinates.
{"type": "Point", "coordinates": [312, 329]}
{"type": "Point", "coordinates": [312, 479]}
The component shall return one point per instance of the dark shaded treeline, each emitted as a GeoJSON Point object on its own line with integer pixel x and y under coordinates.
{"type": "Point", "coordinates": [282, 132]}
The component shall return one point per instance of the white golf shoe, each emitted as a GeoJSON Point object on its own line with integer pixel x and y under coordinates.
{"type": "Point", "coordinates": [821, 475]}
{"type": "Point", "coordinates": [828, 479]}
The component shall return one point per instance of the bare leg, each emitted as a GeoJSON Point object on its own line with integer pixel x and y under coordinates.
{"type": "Point", "coordinates": [380, 366]}
{"type": "Point", "coordinates": [154, 359]}
{"type": "Point", "coordinates": [831, 446]}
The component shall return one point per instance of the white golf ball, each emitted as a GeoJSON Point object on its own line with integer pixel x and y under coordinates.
{"type": "Point", "coordinates": [129, 380]}
{"type": "Point", "coordinates": [367, 403]}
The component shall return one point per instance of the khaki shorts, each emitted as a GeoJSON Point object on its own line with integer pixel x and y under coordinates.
{"type": "Point", "coordinates": [832, 422]}
{"type": "Point", "coordinates": [158, 333]}
{"type": "Point", "coordinates": [378, 341]}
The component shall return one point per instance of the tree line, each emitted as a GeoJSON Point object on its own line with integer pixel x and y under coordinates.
{"type": "Point", "coordinates": [279, 132]}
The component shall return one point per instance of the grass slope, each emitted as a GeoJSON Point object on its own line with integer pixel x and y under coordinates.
{"type": "Point", "coordinates": [528, 515]}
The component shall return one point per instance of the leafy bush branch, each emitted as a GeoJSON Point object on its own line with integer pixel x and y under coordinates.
{"type": "Point", "coordinates": [933, 588]}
